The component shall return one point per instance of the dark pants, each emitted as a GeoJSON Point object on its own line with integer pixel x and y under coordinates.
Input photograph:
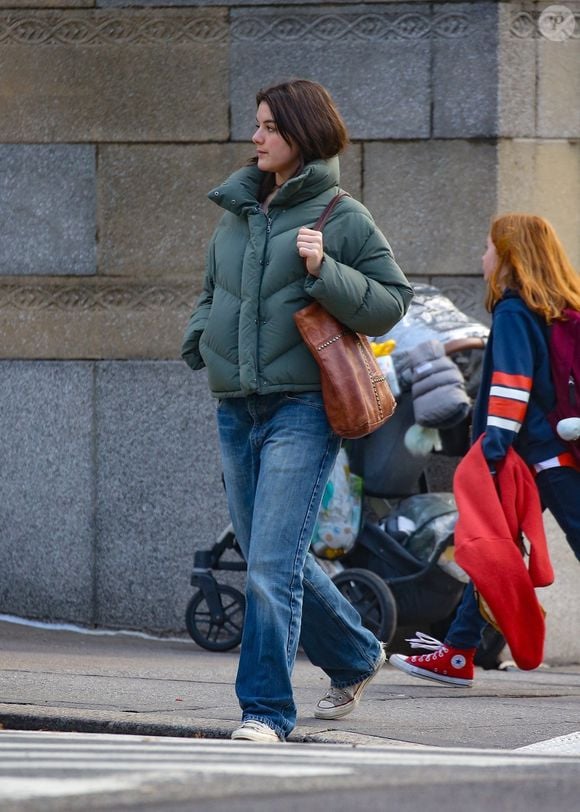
{"type": "Point", "coordinates": [560, 493]}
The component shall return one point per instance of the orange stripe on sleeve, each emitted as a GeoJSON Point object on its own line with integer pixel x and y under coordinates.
{"type": "Point", "coordinates": [516, 381]}
{"type": "Point", "coordinates": [502, 407]}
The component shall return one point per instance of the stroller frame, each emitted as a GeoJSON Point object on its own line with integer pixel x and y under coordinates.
{"type": "Point", "coordinates": [214, 615]}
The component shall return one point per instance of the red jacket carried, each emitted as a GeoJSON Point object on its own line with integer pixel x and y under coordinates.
{"type": "Point", "coordinates": [487, 547]}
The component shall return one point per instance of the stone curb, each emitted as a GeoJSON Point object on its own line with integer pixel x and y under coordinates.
{"type": "Point", "coordinates": [71, 721]}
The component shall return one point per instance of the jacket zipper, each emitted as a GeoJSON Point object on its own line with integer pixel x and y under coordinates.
{"type": "Point", "coordinates": [258, 313]}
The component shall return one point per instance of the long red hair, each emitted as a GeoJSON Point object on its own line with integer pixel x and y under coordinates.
{"type": "Point", "coordinates": [532, 260]}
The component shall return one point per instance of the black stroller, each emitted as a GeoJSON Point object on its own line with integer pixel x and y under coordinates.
{"type": "Point", "coordinates": [397, 580]}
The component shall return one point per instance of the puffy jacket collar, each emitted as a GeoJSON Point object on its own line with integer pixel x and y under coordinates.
{"type": "Point", "coordinates": [239, 192]}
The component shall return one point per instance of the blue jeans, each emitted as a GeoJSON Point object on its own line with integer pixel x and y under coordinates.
{"type": "Point", "coordinates": [559, 490]}
{"type": "Point", "coordinates": [467, 627]}
{"type": "Point", "coordinates": [277, 454]}
{"type": "Point", "coordinates": [560, 494]}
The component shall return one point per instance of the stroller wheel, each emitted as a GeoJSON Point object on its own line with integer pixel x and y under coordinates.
{"type": "Point", "coordinates": [372, 598]}
{"type": "Point", "coordinates": [212, 634]}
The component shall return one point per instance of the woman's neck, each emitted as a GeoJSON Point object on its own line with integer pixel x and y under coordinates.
{"type": "Point", "coordinates": [268, 199]}
{"type": "Point", "coordinates": [280, 180]}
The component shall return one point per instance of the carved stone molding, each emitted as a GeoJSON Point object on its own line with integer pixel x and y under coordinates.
{"type": "Point", "coordinates": [101, 296]}
{"type": "Point", "coordinates": [108, 28]}
{"type": "Point", "coordinates": [466, 293]}
{"type": "Point", "coordinates": [90, 28]}
{"type": "Point", "coordinates": [336, 26]}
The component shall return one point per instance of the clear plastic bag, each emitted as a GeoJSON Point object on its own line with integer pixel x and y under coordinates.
{"type": "Point", "coordinates": [432, 315]}
{"type": "Point", "coordinates": [421, 522]}
{"type": "Point", "coordinates": [339, 519]}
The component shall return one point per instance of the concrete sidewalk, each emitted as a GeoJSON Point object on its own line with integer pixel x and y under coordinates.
{"type": "Point", "coordinates": [65, 680]}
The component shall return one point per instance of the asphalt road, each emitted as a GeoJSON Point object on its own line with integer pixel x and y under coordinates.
{"type": "Point", "coordinates": [66, 772]}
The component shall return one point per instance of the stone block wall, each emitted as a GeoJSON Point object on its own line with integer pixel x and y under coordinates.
{"type": "Point", "coordinates": [116, 117]}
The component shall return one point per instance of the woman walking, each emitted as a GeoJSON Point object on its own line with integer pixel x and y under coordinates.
{"type": "Point", "coordinates": [264, 263]}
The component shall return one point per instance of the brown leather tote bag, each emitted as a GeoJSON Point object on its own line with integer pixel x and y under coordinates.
{"type": "Point", "coordinates": [357, 398]}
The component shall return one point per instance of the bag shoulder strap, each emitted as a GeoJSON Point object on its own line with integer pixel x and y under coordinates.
{"type": "Point", "coordinates": [328, 209]}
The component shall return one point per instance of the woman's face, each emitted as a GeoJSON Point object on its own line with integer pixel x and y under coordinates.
{"type": "Point", "coordinates": [274, 154]}
{"type": "Point", "coordinates": [489, 260]}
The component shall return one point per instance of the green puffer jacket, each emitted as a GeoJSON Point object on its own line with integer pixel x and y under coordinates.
{"type": "Point", "coordinates": [242, 329]}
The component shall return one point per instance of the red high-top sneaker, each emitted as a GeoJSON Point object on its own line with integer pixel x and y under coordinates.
{"type": "Point", "coordinates": [454, 666]}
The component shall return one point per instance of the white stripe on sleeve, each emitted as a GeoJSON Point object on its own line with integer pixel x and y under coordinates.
{"type": "Point", "coordinates": [506, 392]}
{"type": "Point", "coordinates": [504, 423]}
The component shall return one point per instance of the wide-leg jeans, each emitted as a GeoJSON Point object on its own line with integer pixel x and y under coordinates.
{"type": "Point", "coordinates": [277, 454]}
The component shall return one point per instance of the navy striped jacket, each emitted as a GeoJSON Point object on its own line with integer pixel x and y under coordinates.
{"type": "Point", "coordinates": [516, 389]}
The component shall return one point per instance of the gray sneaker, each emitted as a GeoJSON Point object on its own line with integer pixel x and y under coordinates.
{"type": "Point", "coordinates": [339, 702]}
{"type": "Point", "coordinates": [253, 731]}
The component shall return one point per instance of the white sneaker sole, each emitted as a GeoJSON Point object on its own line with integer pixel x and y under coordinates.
{"type": "Point", "coordinates": [256, 737]}
{"type": "Point", "coordinates": [267, 736]}
{"type": "Point", "coordinates": [343, 710]}
{"type": "Point", "coordinates": [400, 662]}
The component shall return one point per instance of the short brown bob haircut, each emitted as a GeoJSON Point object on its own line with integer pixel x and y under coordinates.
{"type": "Point", "coordinates": [306, 115]}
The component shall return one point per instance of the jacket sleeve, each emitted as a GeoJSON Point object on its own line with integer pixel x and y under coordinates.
{"type": "Point", "coordinates": [198, 319]}
{"type": "Point", "coordinates": [361, 284]}
{"type": "Point", "coordinates": [438, 387]}
{"type": "Point", "coordinates": [511, 383]}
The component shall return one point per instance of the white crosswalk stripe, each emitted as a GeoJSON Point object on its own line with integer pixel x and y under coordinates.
{"type": "Point", "coordinates": [561, 745]}
{"type": "Point", "coordinates": [45, 764]}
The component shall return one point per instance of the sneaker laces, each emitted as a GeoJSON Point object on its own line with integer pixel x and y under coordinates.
{"type": "Point", "coordinates": [435, 647]}
{"type": "Point", "coordinates": [336, 695]}
{"type": "Point", "coordinates": [424, 641]}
